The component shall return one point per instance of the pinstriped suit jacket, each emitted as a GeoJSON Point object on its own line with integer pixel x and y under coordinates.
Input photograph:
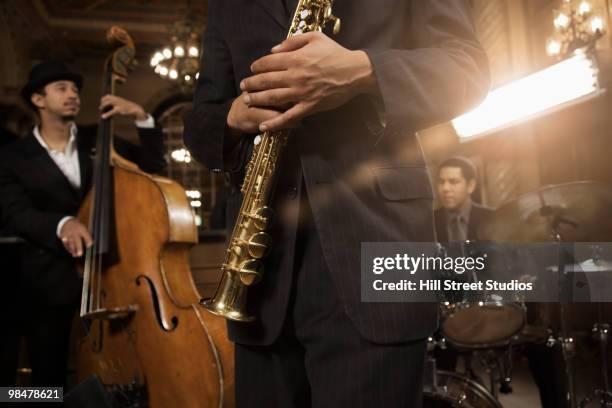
{"type": "Point", "coordinates": [365, 181]}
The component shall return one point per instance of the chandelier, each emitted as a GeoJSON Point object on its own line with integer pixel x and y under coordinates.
{"type": "Point", "coordinates": [577, 25]}
{"type": "Point", "coordinates": [179, 61]}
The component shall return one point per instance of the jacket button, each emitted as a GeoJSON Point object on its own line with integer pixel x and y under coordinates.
{"type": "Point", "coordinates": [292, 193]}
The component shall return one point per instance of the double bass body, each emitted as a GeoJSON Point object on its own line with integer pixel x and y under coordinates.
{"type": "Point", "coordinates": [146, 337]}
{"type": "Point", "coordinates": [180, 355]}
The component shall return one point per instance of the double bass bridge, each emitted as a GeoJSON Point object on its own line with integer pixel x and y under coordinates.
{"type": "Point", "coordinates": [113, 313]}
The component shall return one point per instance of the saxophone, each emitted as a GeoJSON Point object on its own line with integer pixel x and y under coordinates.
{"type": "Point", "coordinates": [250, 243]}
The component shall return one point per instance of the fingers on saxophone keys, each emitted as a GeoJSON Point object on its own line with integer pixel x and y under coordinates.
{"type": "Point", "coordinates": [271, 98]}
{"type": "Point", "coordinates": [287, 120]}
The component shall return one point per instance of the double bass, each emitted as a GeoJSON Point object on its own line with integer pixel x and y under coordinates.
{"type": "Point", "coordinates": [145, 338]}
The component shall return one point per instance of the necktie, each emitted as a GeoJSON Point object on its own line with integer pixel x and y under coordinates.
{"type": "Point", "coordinates": [456, 232]}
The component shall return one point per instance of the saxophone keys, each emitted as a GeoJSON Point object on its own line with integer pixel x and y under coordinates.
{"type": "Point", "coordinates": [337, 25]}
{"type": "Point", "coordinates": [261, 217]}
{"type": "Point", "coordinates": [259, 245]}
{"type": "Point", "coordinates": [237, 250]}
{"type": "Point", "coordinates": [250, 271]}
{"type": "Point", "coordinates": [327, 13]}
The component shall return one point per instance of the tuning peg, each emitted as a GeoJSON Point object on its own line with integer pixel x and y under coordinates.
{"type": "Point", "coordinates": [133, 65]}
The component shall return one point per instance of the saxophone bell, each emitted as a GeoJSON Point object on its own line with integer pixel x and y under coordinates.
{"type": "Point", "coordinates": [229, 300]}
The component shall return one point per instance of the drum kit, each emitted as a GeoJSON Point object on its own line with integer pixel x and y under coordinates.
{"type": "Point", "coordinates": [489, 329]}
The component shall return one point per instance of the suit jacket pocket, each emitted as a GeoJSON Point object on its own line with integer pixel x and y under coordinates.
{"type": "Point", "coordinates": [398, 183]}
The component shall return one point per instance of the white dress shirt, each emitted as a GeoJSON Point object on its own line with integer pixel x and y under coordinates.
{"type": "Point", "coordinates": [68, 160]}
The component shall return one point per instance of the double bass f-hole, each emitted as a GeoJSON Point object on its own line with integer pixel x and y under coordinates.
{"type": "Point", "coordinates": [161, 320]}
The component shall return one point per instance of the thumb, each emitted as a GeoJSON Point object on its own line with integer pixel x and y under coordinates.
{"type": "Point", "coordinates": [293, 43]}
{"type": "Point", "coordinates": [87, 238]}
{"type": "Point", "coordinates": [110, 113]}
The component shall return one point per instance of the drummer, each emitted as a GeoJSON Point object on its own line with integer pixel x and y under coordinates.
{"type": "Point", "coordinates": [458, 220]}
{"type": "Point", "coordinates": [459, 217]}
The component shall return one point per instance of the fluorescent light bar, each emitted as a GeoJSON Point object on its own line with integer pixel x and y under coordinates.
{"type": "Point", "coordinates": [534, 95]}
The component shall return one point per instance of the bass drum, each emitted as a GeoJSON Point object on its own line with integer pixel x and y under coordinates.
{"type": "Point", "coordinates": [457, 391]}
{"type": "Point", "coordinates": [487, 324]}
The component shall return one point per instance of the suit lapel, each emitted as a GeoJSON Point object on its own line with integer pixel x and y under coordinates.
{"type": "Point", "coordinates": [276, 10]}
{"type": "Point", "coordinates": [42, 162]}
{"type": "Point", "coordinates": [475, 218]}
{"type": "Point", "coordinates": [440, 221]}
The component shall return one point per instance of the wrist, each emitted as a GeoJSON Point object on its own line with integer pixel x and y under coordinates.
{"type": "Point", "coordinates": [61, 224]}
{"type": "Point", "coordinates": [229, 121]}
{"type": "Point", "coordinates": [233, 132]}
{"type": "Point", "coordinates": [364, 79]}
{"type": "Point", "coordinates": [141, 115]}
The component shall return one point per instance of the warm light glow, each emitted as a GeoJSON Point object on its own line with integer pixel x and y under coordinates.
{"type": "Point", "coordinates": [553, 47]}
{"type": "Point", "coordinates": [562, 21]}
{"type": "Point", "coordinates": [194, 194]}
{"type": "Point", "coordinates": [597, 24]}
{"type": "Point", "coordinates": [584, 7]}
{"type": "Point", "coordinates": [197, 75]}
{"type": "Point", "coordinates": [181, 53]}
{"type": "Point", "coordinates": [163, 71]}
{"type": "Point", "coordinates": [156, 58]}
{"type": "Point", "coordinates": [196, 203]}
{"type": "Point", "coordinates": [535, 94]}
{"type": "Point", "coordinates": [181, 155]}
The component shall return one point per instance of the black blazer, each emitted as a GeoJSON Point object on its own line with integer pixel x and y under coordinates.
{"type": "Point", "coordinates": [365, 182]}
{"type": "Point", "coordinates": [478, 214]}
{"type": "Point", "coordinates": [35, 195]}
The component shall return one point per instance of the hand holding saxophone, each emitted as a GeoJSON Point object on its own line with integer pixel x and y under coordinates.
{"type": "Point", "coordinates": [308, 73]}
{"type": "Point", "coordinates": [246, 119]}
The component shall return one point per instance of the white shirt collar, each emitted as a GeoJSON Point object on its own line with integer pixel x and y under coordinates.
{"type": "Point", "coordinates": [69, 145]}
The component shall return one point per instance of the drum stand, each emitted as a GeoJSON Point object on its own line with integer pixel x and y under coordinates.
{"type": "Point", "coordinates": [568, 347]}
{"type": "Point", "coordinates": [498, 366]}
{"type": "Point", "coordinates": [600, 332]}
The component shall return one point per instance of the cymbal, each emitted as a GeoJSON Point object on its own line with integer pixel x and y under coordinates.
{"type": "Point", "coordinates": [590, 265]}
{"type": "Point", "coordinates": [576, 212]}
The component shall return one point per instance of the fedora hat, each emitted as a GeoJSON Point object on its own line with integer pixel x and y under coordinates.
{"type": "Point", "coordinates": [44, 73]}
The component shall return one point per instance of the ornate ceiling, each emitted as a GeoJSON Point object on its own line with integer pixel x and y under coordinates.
{"type": "Point", "coordinates": [70, 28]}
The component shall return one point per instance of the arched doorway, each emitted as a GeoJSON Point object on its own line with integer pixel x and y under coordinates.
{"type": "Point", "coordinates": [203, 187]}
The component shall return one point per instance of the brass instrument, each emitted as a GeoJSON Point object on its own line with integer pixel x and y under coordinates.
{"type": "Point", "coordinates": [250, 243]}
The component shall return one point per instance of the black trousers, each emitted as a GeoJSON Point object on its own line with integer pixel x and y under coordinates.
{"type": "Point", "coordinates": [47, 333]}
{"type": "Point", "coordinates": [320, 359]}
